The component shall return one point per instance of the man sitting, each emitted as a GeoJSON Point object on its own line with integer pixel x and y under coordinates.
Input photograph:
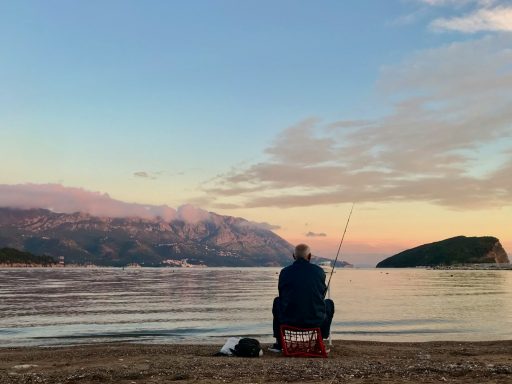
{"type": "Point", "coordinates": [301, 300]}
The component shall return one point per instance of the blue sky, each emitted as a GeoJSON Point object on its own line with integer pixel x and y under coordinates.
{"type": "Point", "coordinates": [169, 72]}
{"type": "Point", "coordinates": [264, 109]}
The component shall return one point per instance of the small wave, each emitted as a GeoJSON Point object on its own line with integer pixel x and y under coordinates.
{"type": "Point", "coordinates": [128, 334]}
{"type": "Point", "coordinates": [9, 331]}
{"type": "Point", "coordinates": [399, 332]}
{"type": "Point", "coordinates": [390, 322]}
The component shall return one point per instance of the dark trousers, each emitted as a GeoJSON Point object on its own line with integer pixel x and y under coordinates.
{"type": "Point", "coordinates": [325, 327]}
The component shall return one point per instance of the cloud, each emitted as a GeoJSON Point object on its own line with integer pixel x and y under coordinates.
{"type": "Point", "coordinates": [147, 175]}
{"type": "Point", "coordinates": [267, 226]}
{"type": "Point", "coordinates": [59, 198]}
{"type": "Point", "coordinates": [68, 200]}
{"type": "Point", "coordinates": [447, 141]}
{"type": "Point", "coordinates": [256, 225]}
{"type": "Point", "coordinates": [313, 234]}
{"type": "Point", "coordinates": [482, 16]}
{"type": "Point", "coordinates": [495, 19]}
{"type": "Point", "coordinates": [430, 7]}
{"type": "Point", "coordinates": [142, 174]}
{"type": "Point", "coordinates": [457, 3]}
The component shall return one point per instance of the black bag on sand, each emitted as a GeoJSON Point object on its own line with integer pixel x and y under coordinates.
{"type": "Point", "coordinates": [247, 347]}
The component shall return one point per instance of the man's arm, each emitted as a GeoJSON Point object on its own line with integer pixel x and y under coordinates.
{"type": "Point", "coordinates": [280, 283]}
{"type": "Point", "coordinates": [323, 286]}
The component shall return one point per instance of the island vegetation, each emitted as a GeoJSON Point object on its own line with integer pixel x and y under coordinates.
{"type": "Point", "coordinates": [460, 250]}
{"type": "Point", "coordinates": [14, 257]}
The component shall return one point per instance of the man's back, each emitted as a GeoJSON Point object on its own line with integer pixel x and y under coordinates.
{"type": "Point", "coordinates": [301, 293]}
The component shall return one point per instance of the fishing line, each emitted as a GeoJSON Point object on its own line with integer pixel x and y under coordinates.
{"type": "Point", "coordinates": [339, 248]}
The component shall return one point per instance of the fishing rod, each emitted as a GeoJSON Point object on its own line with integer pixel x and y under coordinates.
{"type": "Point", "coordinates": [339, 248]}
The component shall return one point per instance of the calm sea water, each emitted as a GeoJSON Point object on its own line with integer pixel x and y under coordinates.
{"type": "Point", "coordinates": [57, 306]}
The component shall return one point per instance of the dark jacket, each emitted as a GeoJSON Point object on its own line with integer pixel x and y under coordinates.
{"type": "Point", "coordinates": [301, 294]}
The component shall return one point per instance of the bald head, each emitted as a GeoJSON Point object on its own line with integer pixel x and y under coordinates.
{"type": "Point", "coordinates": [302, 251]}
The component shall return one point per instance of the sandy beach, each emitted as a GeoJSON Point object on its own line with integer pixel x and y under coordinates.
{"type": "Point", "coordinates": [348, 361]}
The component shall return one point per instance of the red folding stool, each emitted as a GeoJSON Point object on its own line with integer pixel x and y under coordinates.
{"type": "Point", "coordinates": [302, 342]}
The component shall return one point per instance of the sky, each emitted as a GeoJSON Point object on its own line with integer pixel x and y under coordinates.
{"type": "Point", "coordinates": [282, 112]}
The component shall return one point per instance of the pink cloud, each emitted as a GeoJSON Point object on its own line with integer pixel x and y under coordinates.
{"type": "Point", "coordinates": [59, 198]}
{"type": "Point", "coordinates": [191, 214]}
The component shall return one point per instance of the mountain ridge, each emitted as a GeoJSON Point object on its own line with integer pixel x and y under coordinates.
{"type": "Point", "coordinates": [83, 238]}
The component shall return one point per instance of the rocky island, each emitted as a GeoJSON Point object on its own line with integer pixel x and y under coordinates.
{"type": "Point", "coordinates": [459, 250]}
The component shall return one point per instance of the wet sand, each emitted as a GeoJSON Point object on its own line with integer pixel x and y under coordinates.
{"type": "Point", "coordinates": [348, 362]}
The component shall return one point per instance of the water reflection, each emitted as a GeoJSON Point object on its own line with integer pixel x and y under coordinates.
{"type": "Point", "coordinates": [44, 306]}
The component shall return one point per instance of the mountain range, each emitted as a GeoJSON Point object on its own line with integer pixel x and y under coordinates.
{"type": "Point", "coordinates": [209, 239]}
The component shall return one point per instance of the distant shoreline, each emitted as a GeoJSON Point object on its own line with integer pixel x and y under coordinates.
{"type": "Point", "coordinates": [24, 265]}
{"type": "Point", "coordinates": [475, 267]}
{"type": "Point", "coordinates": [465, 267]}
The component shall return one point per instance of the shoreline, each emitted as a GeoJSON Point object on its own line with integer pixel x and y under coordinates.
{"type": "Point", "coordinates": [455, 267]}
{"type": "Point", "coordinates": [348, 361]}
